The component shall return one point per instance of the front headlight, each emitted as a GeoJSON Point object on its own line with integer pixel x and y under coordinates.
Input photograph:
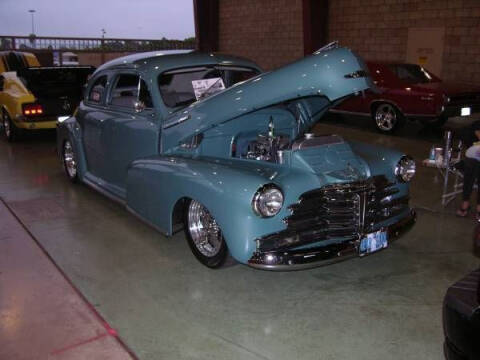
{"type": "Point", "coordinates": [405, 169]}
{"type": "Point", "coordinates": [268, 201]}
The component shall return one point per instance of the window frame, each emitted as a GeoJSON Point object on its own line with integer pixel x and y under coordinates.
{"type": "Point", "coordinates": [91, 83]}
{"type": "Point", "coordinates": [114, 80]}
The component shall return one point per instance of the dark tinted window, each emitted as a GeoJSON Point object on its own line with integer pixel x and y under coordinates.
{"type": "Point", "coordinates": [411, 73]}
{"type": "Point", "coordinates": [129, 89]}
{"type": "Point", "coordinates": [97, 90]}
{"type": "Point", "coordinates": [176, 87]}
{"type": "Point", "coordinates": [16, 61]}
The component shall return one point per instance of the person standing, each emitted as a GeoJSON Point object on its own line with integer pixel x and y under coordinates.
{"type": "Point", "coordinates": [471, 172]}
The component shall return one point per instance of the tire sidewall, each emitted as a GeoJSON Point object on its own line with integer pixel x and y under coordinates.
{"type": "Point", "coordinates": [212, 262]}
{"type": "Point", "coordinates": [6, 118]}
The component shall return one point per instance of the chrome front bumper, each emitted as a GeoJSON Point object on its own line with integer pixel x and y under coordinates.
{"type": "Point", "coordinates": [319, 256]}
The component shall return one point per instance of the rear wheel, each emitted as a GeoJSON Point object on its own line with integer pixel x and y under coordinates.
{"type": "Point", "coordinates": [204, 235]}
{"type": "Point", "coordinates": [69, 161]}
{"type": "Point", "coordinates": [12, 133]}
{"type": "Point", "coordinates": [387, 118]}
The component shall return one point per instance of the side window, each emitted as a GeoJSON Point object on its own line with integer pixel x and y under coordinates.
{"type": "Point", "coordinates": [129, 89]}
{"type": "Point", "coordinates": [2, 82]}
{"type": "Point", "coordinates": [97, 91]}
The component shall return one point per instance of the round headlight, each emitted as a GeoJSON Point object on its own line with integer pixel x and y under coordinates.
{"type": "Point", "coordinates": [405, 169]}
{"type": "Point", "coordinates": [268, 201]}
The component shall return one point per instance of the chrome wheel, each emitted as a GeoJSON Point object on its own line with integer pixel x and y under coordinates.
{"type": "Point", "coordinates": [386, 117]}
{"type": "Point", "coordinates": [69, 160]}
{"type": "Point", "coordinates": [204, 230]}
{"type": "Point", "coordinates": [6, 126]}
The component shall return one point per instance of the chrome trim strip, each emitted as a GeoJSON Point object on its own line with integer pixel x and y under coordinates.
{"type": "Point", "coordinates": [102, 191]}
{"type": "Point", "coordinates": [176, 122]}
{"type": "Point", "coordinates": [321, 140]}
{"type": "Point", "coordinates": [314, 257]}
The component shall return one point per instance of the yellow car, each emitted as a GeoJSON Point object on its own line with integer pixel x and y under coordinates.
{"type": "Point", "coordinates": [34, 97]}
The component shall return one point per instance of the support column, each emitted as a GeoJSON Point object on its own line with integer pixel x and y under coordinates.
{"type": "Point", "coordinates": [315, 25]}
{"type": "Point", "coordinates": [206, 24]}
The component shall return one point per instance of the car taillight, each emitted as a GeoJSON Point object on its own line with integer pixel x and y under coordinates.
{"type": "Point", "coordinates": [32, 109]}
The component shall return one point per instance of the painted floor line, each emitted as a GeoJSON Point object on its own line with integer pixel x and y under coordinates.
{"type": "Point", "coordinates": [109, 329]}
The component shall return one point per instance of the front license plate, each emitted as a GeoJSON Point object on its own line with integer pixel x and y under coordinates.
{"type": "Point", "coordinates": [373, 242]}
{"type": "Point", "coordinates": [465, 111]}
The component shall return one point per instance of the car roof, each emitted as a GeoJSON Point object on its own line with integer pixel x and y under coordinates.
{"type": "Point", "coordinates": [174, 59]}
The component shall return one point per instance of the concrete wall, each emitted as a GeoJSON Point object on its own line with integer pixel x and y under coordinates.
{"type": "Point", "coordinates": [269, 32]}
{"type": "Point", "coordinates": [378, 30]}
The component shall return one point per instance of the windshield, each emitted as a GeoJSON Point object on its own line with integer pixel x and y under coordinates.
{"type": "Point", "coordinates": [412, 73]}
{"type": "Point", "coordinates": [185, 86]}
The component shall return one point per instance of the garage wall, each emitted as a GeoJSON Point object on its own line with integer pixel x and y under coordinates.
{"type": "Point", "coordinates": [378, 30]}
{"type": "Point", "coordinates": [269, 32]}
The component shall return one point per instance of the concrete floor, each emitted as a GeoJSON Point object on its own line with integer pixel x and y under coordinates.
{"type": "Point", "coordinates": [41, 315]}
{"type": "Point", "coordinates": [165, 305]}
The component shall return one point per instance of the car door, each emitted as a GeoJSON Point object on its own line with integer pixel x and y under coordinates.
{"type": "Point", "coordinates": [91, 116]}
{"type": "Point", "coordinates": [131, 130]}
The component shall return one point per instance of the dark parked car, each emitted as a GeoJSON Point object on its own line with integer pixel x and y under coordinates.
{"type": "Point", "coordinates": [409, 91]}
{"type": "Point", "coordinates": [461, 319]}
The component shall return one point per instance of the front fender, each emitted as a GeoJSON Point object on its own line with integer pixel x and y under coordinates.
{"type": "Point", "coordinates": [224, 187]}
{"type": "Point", "coordinates": [381, 165]}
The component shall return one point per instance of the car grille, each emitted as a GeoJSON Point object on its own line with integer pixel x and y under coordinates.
{"type": "Point", "coordinates": [340, 211]}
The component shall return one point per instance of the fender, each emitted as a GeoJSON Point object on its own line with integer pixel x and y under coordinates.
{"type": "Point", "coordinates": [381, 165]}
{"type": "Point", "coordinates": [225, 187]}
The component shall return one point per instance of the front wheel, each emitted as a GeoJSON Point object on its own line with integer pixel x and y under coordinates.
{"type": "Point", "coordinates": [204, 235]}
{"type": "Point", "coordinates": [69, 161]}
{"type": "Point", "coordinates": [387, 118]}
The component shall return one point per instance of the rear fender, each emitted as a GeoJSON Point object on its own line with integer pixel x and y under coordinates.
{"type": "Point", "coordinates": [71, 130]}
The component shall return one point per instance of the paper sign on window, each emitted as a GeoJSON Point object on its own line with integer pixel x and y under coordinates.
{"type": "Point", "coordinates": [206, 87]}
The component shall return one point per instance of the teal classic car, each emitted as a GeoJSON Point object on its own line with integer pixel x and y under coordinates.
{"type": "Point", "coordinates": [208, 143]}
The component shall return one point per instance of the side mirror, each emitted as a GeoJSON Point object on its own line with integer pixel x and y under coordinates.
{"type": "Point", "coordinates": [139, 106]}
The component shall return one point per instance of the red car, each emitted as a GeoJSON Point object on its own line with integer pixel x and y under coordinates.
{"type": "Point", "coordinates": [409, 91]}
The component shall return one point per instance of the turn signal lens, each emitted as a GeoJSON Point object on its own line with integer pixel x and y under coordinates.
{"type": "Point", "coordinates": [32, 109]}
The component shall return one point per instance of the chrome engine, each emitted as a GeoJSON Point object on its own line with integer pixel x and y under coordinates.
{"type": "Point", "coordinates": [265, 148]}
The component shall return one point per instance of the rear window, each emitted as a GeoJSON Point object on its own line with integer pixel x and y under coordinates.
{"type": "Point", "coordinates": [55, 81]}
{"type": "Point", "coordinates": [411, 73]}
{"type": "Point", "coordinates": [185, 86]}
{"type": "Point", "coordinates": [98, 89]}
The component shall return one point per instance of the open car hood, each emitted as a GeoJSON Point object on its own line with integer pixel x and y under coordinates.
{"type": "Point", "coordinates": [332, 73]}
